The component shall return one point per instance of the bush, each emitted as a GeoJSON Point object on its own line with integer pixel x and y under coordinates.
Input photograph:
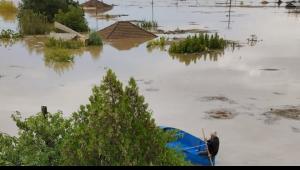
{"type": "Point", "coordinates": [7, 6]}
{"type": "Point", "coordinates": [198, 44]}
{"type": "Point", "coordinates": [115, 128]}
{"type": "Point", "coordinates": [69, 44]}
{"type": "Point", "coordinates": [31, 23]}
{"type": "Point", "coordinates": [94, 39]}
{"type": "Point", "coordinates": [73, 18]}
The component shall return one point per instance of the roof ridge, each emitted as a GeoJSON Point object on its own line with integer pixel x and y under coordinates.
{"type": "Point", "coordinates": [143, 29]}
{"type": "Point", "coordinates": [113, 30]}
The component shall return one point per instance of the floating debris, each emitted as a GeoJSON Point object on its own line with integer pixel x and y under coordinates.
{"type": "Point", "coordinates": [289, 112]}
{"type": "Point", "coordinates": [296, 130]}
{"type": "Point", "coordinates": [152, 90]}
{"type": "Point", "coordinates": [180, 31]}
{"type": "Point", "coordinates": [218, 98]}
{"type": "Point", "coordinates": [270, 69]}
{"type": "Point", "coordinates": [18, 76]}
{"type": "Point", "coordinates": [277, 93]}
{"type": "Point", "coordinates": [148, 82]}
{"type": "Point", "coordinates": [221, 114]}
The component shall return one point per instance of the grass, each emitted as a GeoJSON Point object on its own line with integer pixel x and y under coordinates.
{"type": "Point", "coordinates": [8, 6]}
{"type": "Point", "coordinates": [148, 25]}
{"type": "Point", "coordinates": [161, 42]}
{"type": "Point", "coordinates": [61, 44]}
{"type": "Point", "coordinates": [198, 44]}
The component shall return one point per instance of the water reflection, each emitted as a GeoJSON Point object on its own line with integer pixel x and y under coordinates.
{"type": "Point", "coordinates": [8, 16]}
{"type": "Point", "coordinates": [36, 45]}
{"type": "Point", "coordinates": [187, 59]}
{"type": "Point", "coordinates": [127, 44]}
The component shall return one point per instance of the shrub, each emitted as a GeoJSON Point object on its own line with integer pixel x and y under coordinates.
{"type": "Point", "coordinates": [94, 39]}
{"type": "Point", "coordinates": [7, 6]}
{"type": "Point", "coordinates": [198, 44]}
{"type": "Point", "coordinates": [31, 23]}
{"type": "Point", "coordinates": [73, 18]}
{"type": "Point", "coordinates": [69, 44]}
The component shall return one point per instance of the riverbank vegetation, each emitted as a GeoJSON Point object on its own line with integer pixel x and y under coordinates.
{"type": "Point", "coordinates": [115, 128]}
{"type": "Point", "coordinates": [198, 44]}
{"type": "Point", "coordinates": [161, 42]}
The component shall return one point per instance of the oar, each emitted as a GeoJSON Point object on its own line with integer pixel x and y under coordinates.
{"type": "Point", "coordinates": [209, 155]}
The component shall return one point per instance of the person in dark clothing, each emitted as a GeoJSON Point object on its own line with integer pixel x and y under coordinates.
{"type": "Point", "coordinates": [213, 145]}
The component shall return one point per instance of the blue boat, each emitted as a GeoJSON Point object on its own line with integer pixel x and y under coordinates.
{"type": "Point", "coordinates": [190, 146]}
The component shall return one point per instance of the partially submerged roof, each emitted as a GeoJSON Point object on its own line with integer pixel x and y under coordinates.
{"type": "Point", "coordinates": [125, 30]}
{"type": "Point", "coordinates": [95, 4]}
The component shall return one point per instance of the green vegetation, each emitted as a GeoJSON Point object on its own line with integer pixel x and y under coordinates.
{"type": "Point", "coordinates": [47, 7]}
{"type": "Point", "coordinates": [9, 34]}
{"type": "Point", "coordinates": [94, 39]}
{"type": "Point", "coordinates": [199, 44]}
{"type": "Point", "coordinates": [41, 14]}
{"type": "Point", "coordinates": [148, 25]}
{"type": "Point", "coordinates": [7, 6]}
{"type": "Point", "coordinates": [161, 42]}
{"type": "Point", "coordinates": [31, 23]}
{"type": "Point", "coordinates": [115, 128]}
{"type": "Point", "coordinates": [58, 55]}
{"type": "Point", "coordinates": [73, 18]}
{"type": "Point", "coordinates": [62, 44]}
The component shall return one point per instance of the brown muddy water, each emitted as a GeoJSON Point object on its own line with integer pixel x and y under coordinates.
{"type": "Point", "coordinates": [176, 87]}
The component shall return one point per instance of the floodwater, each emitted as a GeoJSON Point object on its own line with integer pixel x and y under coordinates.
{"type": "Point", "coordinates": [255, 77]}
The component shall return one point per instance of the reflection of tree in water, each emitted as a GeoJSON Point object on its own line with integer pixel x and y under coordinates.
{"type": "Point", "coordinates": [187, 59]}
{"type": "Point", "coordinates": [8, 16]}
{"type": "Point", "coordinates": [7, 42]}
{"type": "Point", "coordinates": [52, 56]}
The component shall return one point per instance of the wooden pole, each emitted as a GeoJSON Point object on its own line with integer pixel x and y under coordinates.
{"type": "Point", "coordinates": [209, 155]}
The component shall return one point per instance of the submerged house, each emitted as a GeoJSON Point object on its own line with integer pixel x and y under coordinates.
{"type": "Point", "coordinates": [99, 6]}
{"type": "Point", "coordinates": [125, 35]}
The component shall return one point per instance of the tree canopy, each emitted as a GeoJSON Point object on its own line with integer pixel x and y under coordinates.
{"type": "Point", "coordinates": [115, 128]}
{"type": "Point", "coordinates": [47, 7]}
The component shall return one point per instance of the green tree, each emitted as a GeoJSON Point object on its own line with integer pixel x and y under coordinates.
{"type": "Point", "coordinates": [73, 18]}
{"type": "Point", "coordinates": [47, 7]}
{"type": "Point", "coordinates": [115, 128]}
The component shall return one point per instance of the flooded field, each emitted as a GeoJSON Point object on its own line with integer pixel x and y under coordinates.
{"type": "Point", "coordinates": [181, 90]}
